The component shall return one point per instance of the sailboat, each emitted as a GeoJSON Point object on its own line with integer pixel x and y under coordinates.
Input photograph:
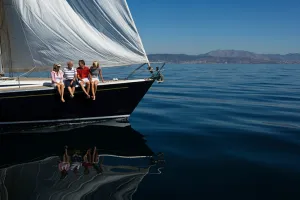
{"type": "Point", "coordinates": [36, 34]}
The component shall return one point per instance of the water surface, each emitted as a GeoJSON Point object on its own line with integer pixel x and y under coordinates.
{"type": "Point", "coordinates": [226, 131]}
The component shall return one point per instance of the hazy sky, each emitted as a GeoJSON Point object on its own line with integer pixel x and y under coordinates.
{"type": "Point", "coordinates": [199, 26]}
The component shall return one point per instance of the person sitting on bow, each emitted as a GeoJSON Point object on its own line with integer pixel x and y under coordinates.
{"type": "Point", "coordinates": [95, 71]}
{"type": "Point", "coordinates": [57, 80]}
{"type": "Point", "coordinates": [83, 77]}
{"type": "Point", "coordinates": [70, 75]}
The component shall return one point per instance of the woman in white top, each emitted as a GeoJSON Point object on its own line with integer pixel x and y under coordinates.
{"type": "Point", "coordinates": [57, 80]}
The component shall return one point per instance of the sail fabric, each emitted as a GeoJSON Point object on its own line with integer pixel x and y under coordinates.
{"type": "Point", "coordinates": [45, 32]}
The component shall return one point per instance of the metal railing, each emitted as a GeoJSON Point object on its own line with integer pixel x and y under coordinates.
{"type": "Point", "coordinates": [150, 69]}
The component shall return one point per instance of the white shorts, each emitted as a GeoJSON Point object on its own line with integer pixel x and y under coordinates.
{"type": "Point", "coordinates": [57, 81]}
{"type": "Point", "coordinates": [95, 79]}
{"type": "Point", "coordinates": [84, 80]}
{"type": "Point", "coordinates": [75, 165]}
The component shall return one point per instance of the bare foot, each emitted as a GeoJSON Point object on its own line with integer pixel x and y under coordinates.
{"type": "Point", "coordinates": [88, 96]}
{"type": "Point", "coordinates": [63, 100]}
{"type": "Point", "coordinates": [94, 98]}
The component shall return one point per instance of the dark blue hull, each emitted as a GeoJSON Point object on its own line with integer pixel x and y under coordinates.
{"type": "Point", "coordinates": [44, 106]}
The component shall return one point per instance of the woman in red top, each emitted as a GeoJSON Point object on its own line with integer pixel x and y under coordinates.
{"type": "Point", "coordinates": [57, 80]}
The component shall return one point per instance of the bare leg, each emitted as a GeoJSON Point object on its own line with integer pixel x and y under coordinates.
{"type": "Point", "coordinates": [94, 155]}
{"type": "Point", "coordinates": [60, 91]}
{"type": "Point", "coordinates": [66, 156]}
{"type": "Point", "coordinates": [70, 90]}
{"type": "Point", "coordinates": [89, 157]}
{"type": "Point", "coordinates": [88, 86]}
{"type": "Point", "coordinates": [73, 90]}
{"type": "Point", "coordinates": [58, 88]}
{"type": "Point", "coordinates": [82, 87]}
{"type": "Point", "coordinates": [62, 86]}
{"type": "Point", "coordinates": [95, 89]}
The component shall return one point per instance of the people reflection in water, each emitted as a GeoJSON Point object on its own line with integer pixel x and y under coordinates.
{"type": "Point", "coordinates": [64, 165]}
{"type": "Point", "coordinates": [91, 161]}
{"type": "Point", "coordinates": [97, 163]}
{"type": "Point", "coordinates": [76, 160]}
{"type": "Point", "coordinates": [87, 161]}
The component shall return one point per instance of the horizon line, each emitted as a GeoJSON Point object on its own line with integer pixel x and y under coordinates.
{"type": "Point", "coordinates": [226, 50]}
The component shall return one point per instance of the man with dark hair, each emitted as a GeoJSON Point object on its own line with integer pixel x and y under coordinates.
{"type": "Point", "coordinates": [83, 77]}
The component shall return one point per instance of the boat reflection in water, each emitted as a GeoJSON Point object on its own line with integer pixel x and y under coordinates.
{"type": "Point", "coordinates": [91, 162]}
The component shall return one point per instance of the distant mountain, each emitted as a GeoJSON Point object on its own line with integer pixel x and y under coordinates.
{"type": "Point", "coordinates": [227, 56]}
{"type": "Point", "coordinates": [232, 54]}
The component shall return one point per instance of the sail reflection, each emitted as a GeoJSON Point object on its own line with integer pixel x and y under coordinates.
{"type": "Point", "coordinates": [91, 162]}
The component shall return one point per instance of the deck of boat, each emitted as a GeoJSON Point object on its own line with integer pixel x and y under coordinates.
{"type": "Point", "coordinates": [8, 84]}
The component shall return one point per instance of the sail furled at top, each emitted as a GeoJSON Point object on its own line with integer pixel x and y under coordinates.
{"type": "Point", "coordinates": [56, 31]}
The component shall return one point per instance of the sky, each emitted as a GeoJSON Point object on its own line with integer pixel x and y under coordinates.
{"type": "Point", "coordinates": [199, 26]}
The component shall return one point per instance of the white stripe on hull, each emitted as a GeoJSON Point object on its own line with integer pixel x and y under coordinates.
{"type": "Point", "coordinates": [65, 120]}
{"type": "Point", "coordinates": [48, 86]}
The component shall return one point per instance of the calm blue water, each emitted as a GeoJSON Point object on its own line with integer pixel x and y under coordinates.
{"type": "Point", "coordinates": [227, 132]}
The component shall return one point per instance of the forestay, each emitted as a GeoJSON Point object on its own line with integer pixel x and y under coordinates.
{"type": "Point", "coordinates": [43, 32]}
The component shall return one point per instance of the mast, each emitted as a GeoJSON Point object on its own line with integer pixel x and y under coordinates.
{"type": "Point", "coordinates": [1, 29]}
{"type": "Point", "coordinates": [6, 60]}
{"type": "Point", "coordinates": [1, 64]}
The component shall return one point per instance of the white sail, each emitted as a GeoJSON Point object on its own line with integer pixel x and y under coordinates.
{"type": "Point", "coordinates": [44, 32]}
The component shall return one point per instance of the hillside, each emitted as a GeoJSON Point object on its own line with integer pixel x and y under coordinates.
{"type": "Point", "coordinates": [227, 56]}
